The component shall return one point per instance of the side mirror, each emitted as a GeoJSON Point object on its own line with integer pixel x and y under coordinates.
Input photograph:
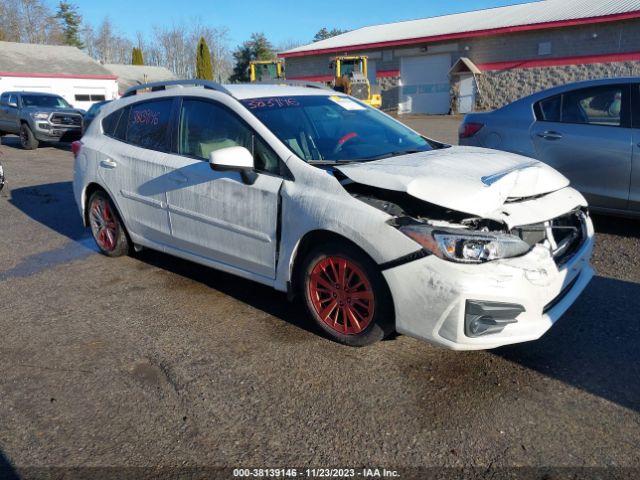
{"type": "Point", "coordinates": [13, 104]}
{"type": "Point", "coordinates": [234, 159]}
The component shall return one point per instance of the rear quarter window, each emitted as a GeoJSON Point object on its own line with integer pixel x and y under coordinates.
{"type": "Point", "coordinates": [548, 110]}
{"type": "Point", "coordinates": [110, 123]}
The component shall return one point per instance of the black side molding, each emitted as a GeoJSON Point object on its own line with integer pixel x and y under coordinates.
{"type": "Point", "coordinates": [405, 259]}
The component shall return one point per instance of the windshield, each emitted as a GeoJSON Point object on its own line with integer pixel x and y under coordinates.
{"type": "Point", "coordinates": [335, 128]}
{"type": "Point", "coordinates": [46, 101]}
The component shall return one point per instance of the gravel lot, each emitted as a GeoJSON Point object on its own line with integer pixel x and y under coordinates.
{"type": "Point", "coordinates": [153, 361]}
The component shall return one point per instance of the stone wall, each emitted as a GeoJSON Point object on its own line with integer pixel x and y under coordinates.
{"type": "Point", "coordinates": [390, 90]}
{"type": "Point", "coordinates": [498, 88]}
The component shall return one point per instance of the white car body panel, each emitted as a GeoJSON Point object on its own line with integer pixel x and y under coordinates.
{"type": "Point", "coordinates": [532, 281]}
{"type": "Point", "coordinates": [216, 215]}
{"type": "Point", "coordinates": [178, 205]}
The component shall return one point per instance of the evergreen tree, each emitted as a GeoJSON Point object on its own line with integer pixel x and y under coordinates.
{"type": "Point", "coordinates": [136, 56]}
{"type": "Point", "coordinates": [204, 70]}
{"type": "Point", "coordinates": [323, 33]}
{"type": "Point", "coordinates": [71, 20]}
{"type": "Point", "coordinates": [256, 48]}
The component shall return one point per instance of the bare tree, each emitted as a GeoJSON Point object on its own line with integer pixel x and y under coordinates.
{"type": "Point", "coordinates": [174, 47]}
{"type": "Point", "coordinates": [288, 44]}
{"type": "Point", "coordinates": [105, 44]}
{"type": "Point", "coordinates": [89, 40]}
{"type": "Point", "coordinates": [30, 21]}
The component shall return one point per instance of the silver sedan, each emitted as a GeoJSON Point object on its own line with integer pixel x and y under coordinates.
{"type": "Point", "coordinates": [589, 131]}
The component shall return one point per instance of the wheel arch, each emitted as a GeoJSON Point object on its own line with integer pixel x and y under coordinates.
{"type": "Point", "coordinates": [310, 240]}
{"type": "Point", "coordinates": [89, 190]}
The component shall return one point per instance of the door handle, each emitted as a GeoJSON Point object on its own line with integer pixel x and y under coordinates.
{"type": "Point", "coordinates": [108, 163]}
{"type": "Point", "coordinates": [550, 135]}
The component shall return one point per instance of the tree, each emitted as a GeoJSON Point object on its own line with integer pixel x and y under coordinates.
{"type": "Point", "coordinates": [136, 56]}
{"type": "Point", "coordinates": [256, 48]}
{"type": "Point", "coordinates": [70, 19]}
{"type": "Point", "coordinates": [204, 70]}
{"type": "Point", "coordinates": [323, 33]}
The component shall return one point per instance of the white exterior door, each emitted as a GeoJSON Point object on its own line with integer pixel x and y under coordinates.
{"type": "Point", "coordinates": [467, 94]}
{"type": "Point", "coordinates": [218, 215]}
{"type": "Point", "coordinates": [425, 84]}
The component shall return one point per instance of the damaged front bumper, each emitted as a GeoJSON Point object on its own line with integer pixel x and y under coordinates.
{"type": "Point", "coordinates": [512, 300]}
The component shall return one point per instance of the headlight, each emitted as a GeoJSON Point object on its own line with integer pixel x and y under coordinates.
{"type": "Point", "coordinates": [40, 115]}
{"type": "Point", "coordinates": [464, 246]}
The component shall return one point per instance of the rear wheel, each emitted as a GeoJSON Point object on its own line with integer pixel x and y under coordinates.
{"type": "Point", "coordinates": [106, 227]}
{"type": "Point", "coordinates": [346, 295]}
{"type": "Point", "coordinates": [27, 140]}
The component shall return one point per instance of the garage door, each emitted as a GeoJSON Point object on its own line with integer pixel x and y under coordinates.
{"type": "Point", "coordinates": [425, 84]}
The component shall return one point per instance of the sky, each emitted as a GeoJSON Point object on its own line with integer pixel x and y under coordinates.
{"type": "Point", "coordinates": [282, 21]}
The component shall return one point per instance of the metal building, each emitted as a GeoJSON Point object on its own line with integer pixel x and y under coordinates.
{"type": "Point", "coordinates": [487, 58]}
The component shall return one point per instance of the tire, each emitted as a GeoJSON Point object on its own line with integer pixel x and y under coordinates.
{"type": "Point", "coordinates": [354, 322]}
{"type": "Point", "coordinates": [106, 226]}
{"type": "Point", "coordinates": [27, 140]}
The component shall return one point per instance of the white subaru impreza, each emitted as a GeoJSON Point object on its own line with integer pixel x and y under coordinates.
{"type": "Point", "coordinates": [374, 226]}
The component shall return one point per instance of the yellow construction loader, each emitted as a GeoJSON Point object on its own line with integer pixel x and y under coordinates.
{"type": "Point", "coordinates": [265, 70]}
{"type": "Point", "coordinates": [350, 77]}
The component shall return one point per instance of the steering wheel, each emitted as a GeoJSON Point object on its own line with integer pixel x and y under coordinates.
{"type": "Point", "coordinates": [344, 139]}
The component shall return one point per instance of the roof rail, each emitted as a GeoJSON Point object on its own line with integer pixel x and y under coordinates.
{"type": "Point", "coordinates": [158, 86]}
{"type": "Point", "coordinates": [297, 83]}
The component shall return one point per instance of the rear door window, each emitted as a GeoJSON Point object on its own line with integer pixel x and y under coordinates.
{"type": "Point", "coordinates": [587, 106]}
{"type": "Point", "coordinates": [148, 124]}
{"type": "Point", "coordinates": [593, 106]}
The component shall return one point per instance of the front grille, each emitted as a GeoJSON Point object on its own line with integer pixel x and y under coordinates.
{"type": "Point", "coordinates": [563, 235]}
{"type": "Point", "coordinates": [67, 119]}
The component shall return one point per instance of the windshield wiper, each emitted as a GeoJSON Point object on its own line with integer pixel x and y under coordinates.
{"type": "Point", "coordinates": [397, 153]}
{"type": "Point", "coordinates": [330, 162]}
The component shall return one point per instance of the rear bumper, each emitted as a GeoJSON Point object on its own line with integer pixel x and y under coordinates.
{"type": "Point", "coordinates": [431, 295]}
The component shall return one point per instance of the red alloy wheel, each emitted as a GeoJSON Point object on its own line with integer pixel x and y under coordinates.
{"type": "Point", "coordinates": [341, 295]}
{"type": "Point", "coordinates": [103, 224]}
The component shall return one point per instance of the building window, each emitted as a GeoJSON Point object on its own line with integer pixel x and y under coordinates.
{"type": "Point", "coordinates": [544, 48]}
{"type": "Point", "coordinates": [387, 55]}
{"type": "Point", "coordinates": [90, 98]}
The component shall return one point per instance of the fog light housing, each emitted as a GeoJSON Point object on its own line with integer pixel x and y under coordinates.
{"type": "Point", "coordinates": [485, 318]}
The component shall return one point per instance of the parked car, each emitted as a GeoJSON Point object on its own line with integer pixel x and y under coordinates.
{"type": "Point", "coordinates": [91, 113]}
{"type": "Point", "coordinates": [314, 193]}
{"type": "Point", "coordinates": [589, 131]}
{"type": "Point", "coordinates": [39, 117]}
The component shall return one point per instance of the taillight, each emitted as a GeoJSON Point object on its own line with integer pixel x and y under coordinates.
{"type": "Point", "coordinates": [75, 148]}
{"type": "Point", "coordinates": [469, 129]}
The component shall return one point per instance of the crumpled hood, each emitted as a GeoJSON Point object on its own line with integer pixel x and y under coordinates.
{"type": "Point", "coordinates": [466, 179]}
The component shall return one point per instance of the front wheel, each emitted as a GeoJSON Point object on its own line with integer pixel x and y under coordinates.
{"type": "Point", "coordinates": [346, 295]}
{"type": "Point", "coordinates": [27, 140]}
{"type": "Point", "coordinates": [106, 227]}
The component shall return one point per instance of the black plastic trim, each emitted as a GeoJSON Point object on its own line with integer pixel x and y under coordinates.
{"type": "Point", "coordinates": [565, 291]}
{"type": "Point", "coordinates": [405, 259]}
